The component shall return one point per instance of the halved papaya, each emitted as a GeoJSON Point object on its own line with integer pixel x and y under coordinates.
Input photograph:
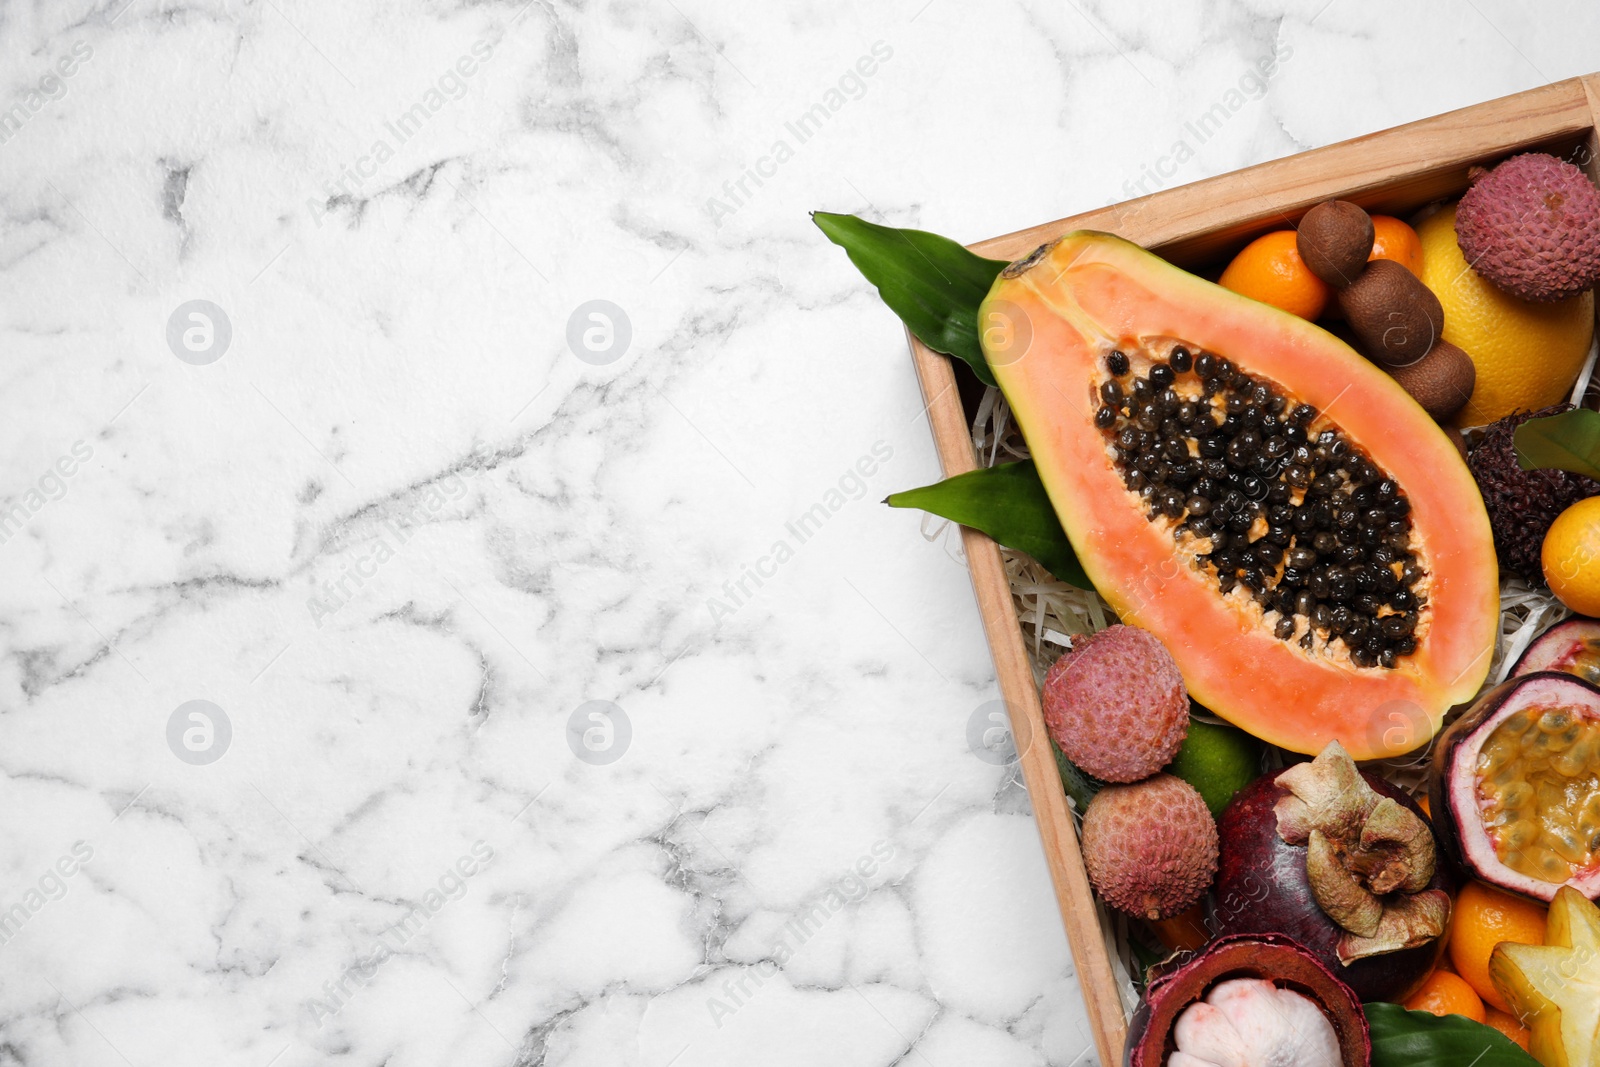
{"type": "Point", "coordinates": [1275, 508]}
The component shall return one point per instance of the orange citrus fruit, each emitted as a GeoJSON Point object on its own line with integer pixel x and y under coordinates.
{"type": "Point", "coordinates": [1571, 557]}
{"type": "Point", "coordinates": [1446, 994]}
{"type": "Point", "coordinates": [1185, 932]}
{"type": "Point", "coordinates": [1483, 918]}
{"type": "Point", "coordinates": [1508, 1025]}
{"type": "Point", "coordinates": [1393, 239]}
{"type": "Point", "coordinates": [1526, 355]}
{"type": "Point", "coordinates": [1270, 270]}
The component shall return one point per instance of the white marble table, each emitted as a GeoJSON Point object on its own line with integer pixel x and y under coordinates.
{"type": "Point", "coordinates": [375, 512]}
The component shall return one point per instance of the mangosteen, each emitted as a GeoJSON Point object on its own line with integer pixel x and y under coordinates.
{"type": "Point", "coordinates": [1250, 1000]}
{"type": "Point", "coordinates": [1515, 786]}
{"type": "Point", "coordinates": [1344, 863]}
{"type": "Point", "coordinates": [1572, 646]}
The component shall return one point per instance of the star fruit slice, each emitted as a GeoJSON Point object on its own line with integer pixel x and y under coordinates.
{"type": "Point", "coordinates": [1554, 988]}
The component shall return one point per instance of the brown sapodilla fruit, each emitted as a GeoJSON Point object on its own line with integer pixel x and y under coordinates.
{"type": "Point", "coordinates": [1440, 381]}
{"type": "Point", "coordinates": [1335, 239]}
{"type": "Point", "coordinates": [1397, 318]}
{"type": "Point", "coordinates": [1116, 704]}
{"type": "Point", "coordinates": [1151, 847]}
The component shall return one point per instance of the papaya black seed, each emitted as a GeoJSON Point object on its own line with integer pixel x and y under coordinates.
{"type": "Point", "coordinates": [1117, 364]}
{"type": "Point", "coordinates": [1181, 360]}
{"type": "Point", "coordinates": [1105, 418]}
{"type": "Point", "coordinates": [1161, 376]}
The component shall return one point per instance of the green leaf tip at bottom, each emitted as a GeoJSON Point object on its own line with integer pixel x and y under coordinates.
{"type": "Point", "coordinates": [1402, 1038]}
{"type": "Point", "coordinates": [1569, 441]}
{"type": "Point", "coordinates": [934, 284]}
{"type": "Point", "coordinates": [1007, 502]}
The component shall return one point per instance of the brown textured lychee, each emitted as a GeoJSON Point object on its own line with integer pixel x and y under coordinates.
{"type": "Point", "coordinates": [1441, 381]}
{"type": "Point", "coordinates": [1522, 504]}
{"type": "Point", "coordinates": [1116, 704]}
{"type": "Point", "coordinates": [1397, 317]}
{"type": "Point", "coordinates": [1150, 847]}
{"type": "Point", "coordinates": [1532, 227]}
{"type": "Point", "coordinates": [1335, 239]}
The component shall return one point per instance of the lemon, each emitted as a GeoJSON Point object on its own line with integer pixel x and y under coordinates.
{"type": "Point", "coordinates": [1527, 355]}
{"type": "Point", "coordinates": [1571, 557]}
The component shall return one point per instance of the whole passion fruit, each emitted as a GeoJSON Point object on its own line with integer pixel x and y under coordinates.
{"type": "Point", "coordinates": [1342, 862]}
{"type": "Point", "coordinates": [1515, 786]}
{"type": "Point", "coordinates": [1248, 1001]}
{"type": "Point", "coordinates": [1571, 646]}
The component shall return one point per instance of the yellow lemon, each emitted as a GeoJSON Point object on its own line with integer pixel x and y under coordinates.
{"type": "Point", "coordinates": [1571, 557]}
{"type": "Point", "coordinates": [1527, 355]}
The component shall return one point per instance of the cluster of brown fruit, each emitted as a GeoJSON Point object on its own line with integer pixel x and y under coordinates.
{"type": "Point", "coordinates": [1398, 320]}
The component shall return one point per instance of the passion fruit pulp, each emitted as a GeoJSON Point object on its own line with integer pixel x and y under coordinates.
{"type": "Point", "coordinates": [1572, 647]}
{"type": "Point", "coordinates": [1516, 786]}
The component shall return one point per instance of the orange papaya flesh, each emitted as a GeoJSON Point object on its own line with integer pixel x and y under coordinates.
{"type": "Point", "coordinates": [1381, 687]}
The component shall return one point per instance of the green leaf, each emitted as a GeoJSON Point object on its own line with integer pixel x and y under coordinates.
{"type": "Point", "coordinates": [1402, 1038]}
{"type": "Point", "coordinates": [931, 282]}
{"type": "Point", "coordinates": [1009, 504]}
{"type": "Point", "coordinates": [1569, 441]}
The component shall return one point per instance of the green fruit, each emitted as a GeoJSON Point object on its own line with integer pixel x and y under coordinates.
{"type": "Point", "coordinates": [1079, 786]}
{"type": "Point", "coordinates": [1218, 761]}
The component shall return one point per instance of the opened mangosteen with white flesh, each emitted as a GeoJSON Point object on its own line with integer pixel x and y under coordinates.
{"type": "Point", "coordinates": [1572, 647]}
{"type": "Point", "coordinates": [1515, 786]}
{"type": "Point", "coordinates": [1342, 862]}
{"type": "Point", "coordinates": [1248, 1001]}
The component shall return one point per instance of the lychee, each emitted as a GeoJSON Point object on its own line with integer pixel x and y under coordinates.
{"type": "Point", "coordinates": [1116, 704]}
{"type": "Point", "coordinates": [1532, 227]}
{"type": "Point", "coordinates": [1150, 847]}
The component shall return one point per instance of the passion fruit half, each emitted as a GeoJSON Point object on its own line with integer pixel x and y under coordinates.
{"type": "Point", "coordinates": [1251, 1000]}
{"type": "Point", "coordinates": [1572, 647]}
{"type": "Point", "coordinates": [1515, 786]}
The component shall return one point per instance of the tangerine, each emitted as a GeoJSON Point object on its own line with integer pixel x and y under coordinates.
{"type": "Point", "coordinates": [1483, 918]}
{"type": "Point", "coordinates": [1571, 550]}
{"type": "Point", "coordinates": [1269, 269]}
{"type": "Point", "coordinates": [1446, 994]}
{"type": "Point", "coordinates": [1508, 1025]}
{"type": "Point", "coordinates": [1393, 239]}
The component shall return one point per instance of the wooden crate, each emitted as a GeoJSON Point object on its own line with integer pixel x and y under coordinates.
{"type": "Point", "coordinates": [1393, 172]}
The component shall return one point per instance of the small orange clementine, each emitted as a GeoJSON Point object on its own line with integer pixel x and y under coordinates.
{"type": "Point", "coordinates": [1508, 1025]}
{"type": "Point", "coordinates": [1447, 994]}
{"type": "Point", "coordinates": [1393, 239]}
{"type": "Point", "coordinates": [1483, 918]}
{"type": "Point", "coordinates": [1269, 269]}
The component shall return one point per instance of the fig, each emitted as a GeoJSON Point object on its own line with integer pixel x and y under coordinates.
{"type": "Point", "coordinates": [1344, 863]}
{"type": "Point", "coordinates": [1572, 647]}
{"type": "Point", "coordinates": [1515, 786]}
{"type": "Point", "coordinates": [1247, 1001]}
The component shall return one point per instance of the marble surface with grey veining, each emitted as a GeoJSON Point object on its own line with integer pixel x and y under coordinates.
{"type": "Point", "coordinates": [448, 617]}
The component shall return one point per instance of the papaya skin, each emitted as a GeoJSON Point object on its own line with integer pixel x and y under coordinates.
{"type": "Point", "coordinates": [1047, 325]}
